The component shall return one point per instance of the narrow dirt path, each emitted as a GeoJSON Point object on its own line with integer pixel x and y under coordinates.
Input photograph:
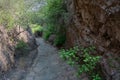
{"type": "Point", "coordinates": [48, 65]}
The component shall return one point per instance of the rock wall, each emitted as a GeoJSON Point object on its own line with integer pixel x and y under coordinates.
{"type": "Point", "coordinates": [97, 22]}
{"type": "Point", "coordinates": [6, 50]}
{"type": "Point", "coordinates": [8, 41]}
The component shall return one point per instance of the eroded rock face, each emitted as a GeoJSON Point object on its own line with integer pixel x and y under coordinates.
{"type": "Point", "coordinates": [6, 50]}
{"type": "Point", "coordinates": [27, 36]}
{"type": "Point", "coordinates": [97, 22]}
{"type": "Point", "coordinates": [8, 41]}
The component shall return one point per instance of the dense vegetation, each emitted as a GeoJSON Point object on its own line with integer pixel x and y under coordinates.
{"type": "Point", "coordinates": [54, 11]}
{"type": "Point", "coordinates": [51, 17]}
{"type": "Point", "coordinates": [11, 12]}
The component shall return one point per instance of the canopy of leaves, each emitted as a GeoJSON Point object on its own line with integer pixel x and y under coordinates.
{"type": "Point", "coordinates": [13, 12]}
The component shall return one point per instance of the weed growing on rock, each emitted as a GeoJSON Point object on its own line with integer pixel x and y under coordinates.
{"type": "Point", "coordinates": [89, 61]}
{"type": "Point", "coordinates": [21, 45]}
{"type": "Point", "coordinates": [96, 77]}
{"type": "Point", "coordinates": [86, 62]}
{"type": "Point", "coordinates": [22, 48]}
{"type": "Point", "coordinates": [70, 55]}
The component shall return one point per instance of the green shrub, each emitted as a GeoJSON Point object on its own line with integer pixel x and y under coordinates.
{"type": "Point", "coordinates": [21, 49]}
{"type": "Point", "coordinates": [21, 45]}
{"type": "Point", "coordinates": [70, 55]}
{"type": "Point", "coordinates": [60, 39]}
{"type": "Point", "coordinates": [48, 30]}
{"type": "Point", "coordinates": [54, 10]}
{"type": "Point", "coordinates": [10, 13]}
{"type": "Point", "coordinates": [52, 14]}
{"type": "Point", "coordinates": [6, 19]}
{"type": "Point", "coordinates": [46, 34]}
{"type": "Point", "coordinates": [89, 62]}
{"type": "Point", "coordinates": [36, 28]}
{"type": "Point", "coordinates": [96, 77]}
{"type": "Point", "coordinates": [36, 17]}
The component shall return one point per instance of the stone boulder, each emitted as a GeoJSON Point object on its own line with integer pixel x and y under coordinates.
{"type": "Point", "coordinates": [51, 38]}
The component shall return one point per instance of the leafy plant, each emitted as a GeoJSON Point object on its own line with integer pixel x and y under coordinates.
{"type": "Point", "coordinates": [36, 28]}
{"type": "Point", "coordinates": [96, 77]}
{"type": "Point", "coordinates": [17, 12]}
{"type": "Point", "coordinates": [6, 19]}
{"type": "Point", "coordinates": [70, 55]}
{"type": "Point", "coordinates": [53, 10]}
{"type": "Point", "coordinates": [22, 49]}
{"type": "Point", "coordinates": [60, 39]}
{"type": "Point", "coordinates": [46, 33]}
{"type": "Point", "coordinates": [21, 45]}
{"type": "Point", "coordinates": [88, 61]}
{"type": "Point", "coordinates": [48, 30]}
